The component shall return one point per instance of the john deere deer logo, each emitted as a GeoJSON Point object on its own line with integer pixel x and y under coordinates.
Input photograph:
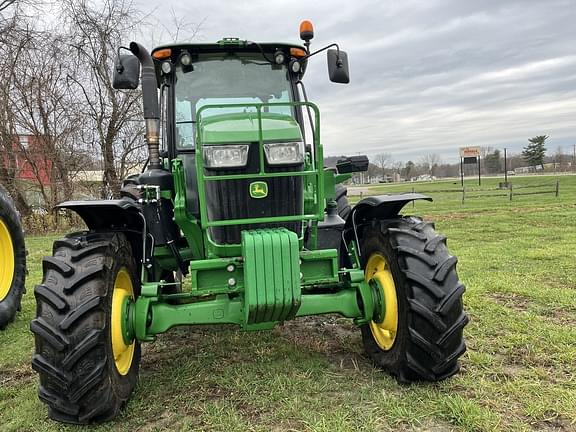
{"type": "Point", "coordinates": [258, 189]}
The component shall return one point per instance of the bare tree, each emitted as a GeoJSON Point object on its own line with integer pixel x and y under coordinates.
{"type": "Point", "coordinates": [46, 109]}
{"type": "Point", "coordinates": [382, 161]}
{"type": "Point", "coordinates": [96, 31]}
{"type": "Point", "coordinates": [560, 159]}
{"type": "Point", "coordinates": [15, 38]}
{"type": "Point", "coordinates": [178, 27]}
{"type": "Point", "coordinates": [430, 162]}
{"type": "Point", "coordinates": [16, 5]}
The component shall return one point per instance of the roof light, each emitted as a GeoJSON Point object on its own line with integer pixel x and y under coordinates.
{"type": "Point", "coordinates": [297, 52]}
{"type": "Point", "coordinates": [186, 62]}
{"type": "Point", "coordinates": [185, 59]}
{"type": "Point", "coordinates": [166, 67]}
{"type": "Point", "coordinates": [162, 54]}
{"type": "Point", "coordinates": [306, 30]}
{"type": "Point", "coordinates": [279, 57]}
{"type": "Point", "coordinates": [295, 66]}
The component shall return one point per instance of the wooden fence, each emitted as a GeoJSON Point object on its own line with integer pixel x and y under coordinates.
{"type": "Point", "coordinates": [508, 191]}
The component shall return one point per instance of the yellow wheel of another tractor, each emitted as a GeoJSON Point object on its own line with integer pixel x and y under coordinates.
{"type": "Point", "coordinates": [378, 272]}
{"type": "Point", "coordinates": [123, 352]}
{"type": "Point", "coordinates": [6, 261]}
{"type": "Point", "coordinates": [12, 259]}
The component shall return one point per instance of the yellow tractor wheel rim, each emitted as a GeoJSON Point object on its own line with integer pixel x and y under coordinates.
{"type": "Point", "coordinates": [6, 261]}
{"type": "Point", "coordinates": [123, 352]}
{"type": "Point", "coordinates": [377, 270]}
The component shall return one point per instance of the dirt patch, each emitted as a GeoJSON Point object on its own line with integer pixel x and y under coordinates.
{"type": "Point", "coordinates": [555, 423]}
{"type": "Point", "coordinates": [513, 301]}
{"type": "Point", "coordinates": [449, 217]}
{"type": "Point", "coordinates": [335, 337]}
{"type": "Point", "coordinates": [557, 315]}
{"type": "Point", "coordinates": [17, 376]}
{"type": "Point", "coordinates": [564, 317]}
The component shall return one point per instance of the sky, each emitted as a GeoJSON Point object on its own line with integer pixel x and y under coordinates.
{"type": "Point", "coordinates": [427, 76]}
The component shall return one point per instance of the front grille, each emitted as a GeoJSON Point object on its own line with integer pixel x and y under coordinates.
{"type": "Point", "coordinates": [230, 199]}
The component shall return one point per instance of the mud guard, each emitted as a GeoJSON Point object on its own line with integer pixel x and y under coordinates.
{"type": "Point", "coordinates": [381, 206]}
{"type": "Point", "coordinates": [107, 214]}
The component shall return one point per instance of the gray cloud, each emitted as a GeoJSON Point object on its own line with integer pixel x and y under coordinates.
{"type": "Point", "coordinates": [428, 76]}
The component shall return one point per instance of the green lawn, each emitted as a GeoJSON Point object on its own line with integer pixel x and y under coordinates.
{"type": "Point", "coordinates": [517, 260]}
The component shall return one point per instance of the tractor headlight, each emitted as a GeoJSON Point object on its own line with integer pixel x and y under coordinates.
{"type": "Point", "coordinates": [284, 153]}
{"type": "Point", "coordinates": [225, 156]}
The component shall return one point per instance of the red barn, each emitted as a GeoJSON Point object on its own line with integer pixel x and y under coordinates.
{"type": "Point", "coordinates": [32, 163]}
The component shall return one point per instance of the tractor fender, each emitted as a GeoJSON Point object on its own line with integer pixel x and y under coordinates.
{"type": "Point", "coordinates": [108, 214]}
{"type": "Point", "coordinates": [381, 207]}
{"type": "Point", "coordinates": [123, 215]}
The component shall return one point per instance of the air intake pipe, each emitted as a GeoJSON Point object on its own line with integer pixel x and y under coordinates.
{"type": "Point", "coordinates": [151, 109]}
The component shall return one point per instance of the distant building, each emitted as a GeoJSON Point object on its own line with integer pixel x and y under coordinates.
{"type": "Point", "coordinates": [32, 163]}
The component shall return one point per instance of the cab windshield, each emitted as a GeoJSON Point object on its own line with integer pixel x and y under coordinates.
{"type": "Point", "coordinates": [218, 79]}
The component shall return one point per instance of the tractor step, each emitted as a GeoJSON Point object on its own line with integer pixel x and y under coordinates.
{"type": "Point", "coordinates": [271, 275]}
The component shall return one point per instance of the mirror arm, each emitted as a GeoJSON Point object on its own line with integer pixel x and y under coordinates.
{"type": "Point", "coordinates": [120, 66]}
{"type": "Point", "coordinates": [323, 49]}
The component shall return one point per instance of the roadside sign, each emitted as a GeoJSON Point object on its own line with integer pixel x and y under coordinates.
{"type": "Point", "coordinates": [469, 156]}
{"type": "Point", "coordinates": [466, 152]}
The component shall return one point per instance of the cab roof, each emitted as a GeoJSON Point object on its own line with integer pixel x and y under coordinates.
{"type": "Point", "coordinates": [227, 44]}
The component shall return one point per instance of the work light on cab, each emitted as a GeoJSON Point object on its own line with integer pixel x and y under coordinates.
{"type": "Point", "coordinates": [279, 57]}
{"type": "Point", "coordinates": [295, 66]}
{"type": "Point", "coordinates": [166, 67]}
{"type": "Point", "coordinates": [186, 62]}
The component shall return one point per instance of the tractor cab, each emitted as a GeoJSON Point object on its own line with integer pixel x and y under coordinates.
{"type": "Point", "coordinates": [233, 109]}
{"type": "Point", "coordinates": [225, 102]}
{"type": "Point", "coordinates": [230, 73]}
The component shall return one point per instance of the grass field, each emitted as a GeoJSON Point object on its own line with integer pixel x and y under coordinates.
{"type": "Point", "coordinates": [517, 260]}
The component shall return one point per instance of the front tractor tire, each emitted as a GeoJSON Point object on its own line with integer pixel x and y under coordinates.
{"type": "Point", "coordinates": [418, 335]}
{"type": "Point", "coordinates": [87, 369]}
{"type": "Point", "coordinates": [12, 260]}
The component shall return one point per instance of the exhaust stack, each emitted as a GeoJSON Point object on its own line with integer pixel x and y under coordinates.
{"type": "Point", "coordinates": [151, 109]}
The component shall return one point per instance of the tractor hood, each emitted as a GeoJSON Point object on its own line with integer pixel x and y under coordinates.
{"type": "Point", "coordinates": [244, 128]}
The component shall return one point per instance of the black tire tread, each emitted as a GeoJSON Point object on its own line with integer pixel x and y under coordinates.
{"type": "Point", "coordinates": [78, 379]}
{"type": "Point", "coordinates": [344, 208]}
{"type": "Point", "coordinates": [425, 273]}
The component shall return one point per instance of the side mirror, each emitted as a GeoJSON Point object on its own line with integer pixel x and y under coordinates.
{"type": "Point", "coordinates": [352, 164]}
{"type": "Point", "coordinates": [338, 66]}
{"type": "Point", "coordinates": [126, 72]}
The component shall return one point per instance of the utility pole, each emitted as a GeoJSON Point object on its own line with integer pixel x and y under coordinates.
{"type": "Point", "coordinates": [479, 175]}
{"type": "Point", "coordinates": [505, 167]}
{"type": "Point", "coordinates": [574, 159]}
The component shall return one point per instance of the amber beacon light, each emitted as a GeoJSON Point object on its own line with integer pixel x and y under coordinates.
{"type": "Point", "coordinates": [306, 30]}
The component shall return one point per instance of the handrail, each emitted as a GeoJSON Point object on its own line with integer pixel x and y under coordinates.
{"type": "Point", "coordinates": [315, 174]}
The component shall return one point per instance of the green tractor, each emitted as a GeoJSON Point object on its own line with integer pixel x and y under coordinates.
{"type": "Point", "coordinates": [235, 220]}
{"type": "Point", "coordinates": [12, 259]}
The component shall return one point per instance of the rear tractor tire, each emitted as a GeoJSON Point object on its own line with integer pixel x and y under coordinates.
{"type": "Point", "coordinates": [342, 201]}
{"type": "Point", "coordinates": [12, 260]}
{"type": "Point", "coordinates": [419, 333]}
{"type": "Point", "coordinates": [87, 369]}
